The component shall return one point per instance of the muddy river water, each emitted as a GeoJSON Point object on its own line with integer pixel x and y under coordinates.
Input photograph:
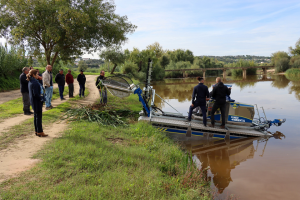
{"type": "Point", "coordinates": [249, 168]}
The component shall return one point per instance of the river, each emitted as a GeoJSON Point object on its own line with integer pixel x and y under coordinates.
{"type": "Point", "coordinates": [252, 168]}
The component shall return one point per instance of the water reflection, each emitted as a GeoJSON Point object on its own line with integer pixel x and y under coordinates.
{"type": "Point", "coordinates": [221, 157]}
{"type": "Point", "coordinates": [181, 89]}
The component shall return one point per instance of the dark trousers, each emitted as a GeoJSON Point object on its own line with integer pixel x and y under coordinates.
{"type": "Point", "coordinates": [71, 89]}
{"type": "Point", "coordinates": [38, 122]}
{"type": "Point", "coordinates": [81, 90]}
{"type": "Point", "coordinates": [214, 109]}
{"type": "Point", "coordinates": [26, 101]}
{"type": "Point", "coordinates": [61, 89]}
{"type": "Point", "coordinates": [203, 109]}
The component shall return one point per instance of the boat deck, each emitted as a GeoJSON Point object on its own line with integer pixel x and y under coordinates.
{"type": "Point", "coordinates": [195, 125]}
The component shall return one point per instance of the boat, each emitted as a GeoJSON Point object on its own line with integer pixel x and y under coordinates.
{"type": "Point", "coordinates": [240, 121]}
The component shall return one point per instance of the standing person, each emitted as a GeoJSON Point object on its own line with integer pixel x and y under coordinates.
{"type": "Point", "coordinates": [70, 81]}
{"type": "Point", "coordinates": [219, 94]}
{"type": "Point", "coordinates": [24, 91]}
{"type": "Point", "coordinates": [40, 78]}
{"type": "Point", "coordinates": [60, 80]}
{"type": "Point", "coordinates": [102, 92]}
{"type": "Point", "coordinates": [48, 84]}
{"type": "Point", "coordinates": [81, 80]}
{"type": "Point", "coordinates": [200, 95]}
{"type": "Point", "coordinates": [36, 101]}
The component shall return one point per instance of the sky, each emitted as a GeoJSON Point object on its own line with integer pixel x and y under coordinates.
{"type": "Point", "coordinates": [256, 27]}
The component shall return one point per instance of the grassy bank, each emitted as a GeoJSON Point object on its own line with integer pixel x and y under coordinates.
{"type": "Point", "coordinates": [293, 74]}
{"type": "Point", "coordinates": [15, 107]}
{"type": "Point", "coordinates": [101, 162]}
{"type": "Point", "coordinates": [11, 83]}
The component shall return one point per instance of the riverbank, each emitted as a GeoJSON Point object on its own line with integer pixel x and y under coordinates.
{"type": "Point", "coordinates": [293, 74]}
{"type": "Point", "coordinates": [102, 162]}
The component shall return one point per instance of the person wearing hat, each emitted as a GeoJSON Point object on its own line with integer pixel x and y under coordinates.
{"type": "Point", "coordinates": [81, 80]}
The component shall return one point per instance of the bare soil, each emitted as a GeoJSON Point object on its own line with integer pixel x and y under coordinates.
{"type": "Point", "coordinates": [18, 157]}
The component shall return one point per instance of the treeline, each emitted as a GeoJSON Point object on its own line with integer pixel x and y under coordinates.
{"type": "Point", "coordinates": [11, 63]}
{"type": "Point", "coordinates": [135, 62]}
{"type": "Point", "coordinates": [233, 59]}
{"type": "Point", "coordinates": [284, 60]}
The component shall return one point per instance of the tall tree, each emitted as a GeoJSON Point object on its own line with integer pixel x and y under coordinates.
{"type": "Point", "coordinates": [65, 28]}
{"type": "Point", "coordinates": [296, 50]}
{"type": "Point", "coordinates": [114, 55]}
{"type": "Point", "coordinates": [158, 50]}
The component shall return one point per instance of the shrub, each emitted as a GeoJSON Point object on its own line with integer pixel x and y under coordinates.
{"type": "Point", "coordinates": [158, 73]}
{"type": "Point", "coordinates": [282, 64]}
{"type": "Point", "coordinates": [130, 68]}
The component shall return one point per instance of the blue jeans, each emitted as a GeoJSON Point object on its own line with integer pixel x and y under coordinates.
{"type": "Point", "coordinates": [61, 89]}
{"type": "Point", "coordinates": [49, 93]}
{"type": "Point", "coordinates": [203, 109]}
{"type": "Point", "coordinates": [81, 90]}
{"type": "Point", "coordinates": [103, 96]}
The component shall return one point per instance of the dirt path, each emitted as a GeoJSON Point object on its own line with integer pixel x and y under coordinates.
{"type": "Point", "coordinates": [17, 157]}
{"type": "Point", "coordinates": [10, 122]}
{"type": "Point", "coordinates": [14, 94]}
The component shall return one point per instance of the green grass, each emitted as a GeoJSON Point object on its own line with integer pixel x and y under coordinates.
{"type": "Point", "coordinates": [11, 83]}
{"type": "Point", "coordinates": [15, 107]}
{"type": "Point", "coordinates": [94, 162]}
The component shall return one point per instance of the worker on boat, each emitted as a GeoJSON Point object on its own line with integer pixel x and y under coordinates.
{"type": "Point", "coordinates": [199, 97]}
{"type": "Point", "coordinates": [219, 94]}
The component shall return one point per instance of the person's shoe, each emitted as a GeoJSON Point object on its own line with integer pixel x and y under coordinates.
{"type": "Point", "coordinates": [51, 106]}
{"type": "Point", "coordinates": [48, 108]}
{"type": "Point", "coordinates": [211, 125]}
{"type": "Point", "coordinates": [222, 127]}
{"type": "Point", "coordinates": [42, 134]}
{"type": "Point", "coordinates": [63, 99]}
{"type": "Point", "coordinates": [71, 97]}
{"type": "Point", "coordinates": [27, 113]}
{"type": "Point", "coordinates": [31, 112]}
{"type": "Point", "coordinates": [36, 134]}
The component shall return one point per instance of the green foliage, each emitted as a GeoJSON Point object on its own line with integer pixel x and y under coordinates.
{"type": "Point", "coordinates": [164, 61]}
{"type": "Point", "coordinates": [281, 65]}
{"type": "Point", "coordinates": [279, 55]}
{"type": "Point", "coordinates": [181, 55]}
{"type": "Point", "coordinates": [114, 55]}
{"type": "Point", "coordinates": [293, 73]}
{"type": "Point", "coordinates": [295, 51]}
{"type": "Point", "coordinates": [130, 68]}
{"type": "Point", "coordinates": [63, 28]}
{"type": "Point", "coordinates": [242, 63]}
{"type": "Point", "coordinates": [158, 73]}
{"type": "Point", "coordinates": [157, 49]}
{"type": "Point", "coordinates": [11, 61]}
{"type": "Point", "coordinates": [82, 65]}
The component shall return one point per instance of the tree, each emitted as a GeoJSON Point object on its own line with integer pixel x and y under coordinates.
{"type": "Point", "coordinates": [65, 28]}
{"type": "Point", "coordinates": [114, 55]}
{"type": "Point", "coordinates": [82, 65]}
{"type": "Point", "coordinates": [158, 50]}
{"type": "Point", "coordinates": [164, 61]}
{"type": "Point", "coordinates": [296, 50]}
{"type": "Point", "coordinates": [278, 55]}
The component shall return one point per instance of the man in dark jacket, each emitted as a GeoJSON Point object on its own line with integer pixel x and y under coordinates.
{"type": "Point", "coordinates": [219, 94]}
{"type": "Point", "coordinates": [200, 95]}
{"type": "Point", "coordinates": [81, 80]}
{"type": "Point", "coordinates": [60, 80]}
{"type": "Point", "coordinates": [102, 92]}
{"type": "Point", "coordinates": [70, 81]}
{"type": "Point", "coordinates": [25, 92]}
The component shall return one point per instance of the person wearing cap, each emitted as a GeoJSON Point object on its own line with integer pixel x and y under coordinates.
{"type": "Point", "coordinates": [81, 80]}
{"type": "Point", "coordinates": [200, 95]}
{"type": "Point", "coordinates": [70, 81]}
{"type": "Point", "coordinates": [60, 80]}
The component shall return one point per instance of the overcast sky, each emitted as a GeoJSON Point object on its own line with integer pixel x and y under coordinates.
{"type": "Point", "coordinates": [256, 27]}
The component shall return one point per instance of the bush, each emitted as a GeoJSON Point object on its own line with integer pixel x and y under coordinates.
{"type": "Point", "coordinates": [296, 64]}
{"type": "Point", "coordinates": [293, 74]}
{"type": "Point", "coordinates": [130, 68]}
{"type": "Point", "coordinates": [281, 65]}
{"type": "Point", "coordinates": [158, 73]}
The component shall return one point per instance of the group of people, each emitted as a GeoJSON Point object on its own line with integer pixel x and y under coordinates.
{"type": "Point", "coordinates": [37, 88]}
{"type": "Point", "coordinates": [201, 95]}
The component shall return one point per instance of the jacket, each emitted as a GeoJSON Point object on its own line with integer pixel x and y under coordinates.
{"type": "Point", "coordinates": [47, 79]}
{"type": "Point", "coordinates": [200, 93]}
{"type": "Point", "coordinates": [219, 93]}
{"type": "Point", "coordinates": [81, 79]}
{"type": "Point", "coordinates": [60, 79]}
{"type": "Point", "coordinates": [35, 95]}
{"type": "Point", "coordinates": [99, 78]}
{"type": "Point", "coordinates": [69, 79]}
{"type": "Point", "coordinates": [23, 83]}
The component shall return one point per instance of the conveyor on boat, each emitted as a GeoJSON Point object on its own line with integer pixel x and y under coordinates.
{"type": "Point", "coordinates": [240, 121]}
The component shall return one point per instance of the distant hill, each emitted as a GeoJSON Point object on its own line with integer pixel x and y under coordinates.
{"type": "Point", "coordinates": [232, 59]}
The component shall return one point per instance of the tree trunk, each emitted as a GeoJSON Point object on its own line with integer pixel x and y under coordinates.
{"type": "Point", "coordinates": [54, 58]}
{"type": "Point", "coordinates": [112, 71]}
{"type": "Point", "coordinates": [140, 66]}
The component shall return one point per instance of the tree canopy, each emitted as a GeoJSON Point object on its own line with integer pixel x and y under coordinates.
{"type": "Point", "coordinates": [65, 28]}
{"type": "Point", "coordinates": [295, 51]}
{"type": "Point", "coordinates": [114, 55]}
